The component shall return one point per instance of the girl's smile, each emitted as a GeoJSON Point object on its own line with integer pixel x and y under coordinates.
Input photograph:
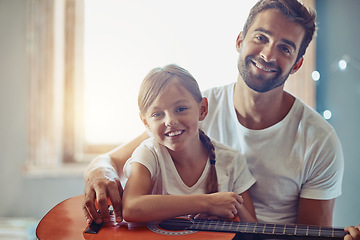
{"type": "Point", "coordinates": [174, 133]}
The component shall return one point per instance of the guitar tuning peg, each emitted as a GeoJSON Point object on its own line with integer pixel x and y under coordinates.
{"type": "Point", "coordinates": [111, 209]}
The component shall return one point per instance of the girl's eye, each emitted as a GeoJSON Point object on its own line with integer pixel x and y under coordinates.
{"type": "Point", "coordinates": [181, 109]}
{"type": "Point", "coordinates": [156, 114]}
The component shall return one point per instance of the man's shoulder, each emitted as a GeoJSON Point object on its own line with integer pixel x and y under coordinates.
{"type": "Point", "coordinates": [217, 92]}
{"type": "Point", "coordinates": [219, 98]}
{"type": "Point", "coordinates": [311, 117]}
{"type": "Point", "coordinates": [221, 147]}
{"type": "Point", "coordinates": [312, 124]}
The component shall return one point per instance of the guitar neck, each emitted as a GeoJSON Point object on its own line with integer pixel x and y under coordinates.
{"type": "Point", "coordinates": [270, 229]}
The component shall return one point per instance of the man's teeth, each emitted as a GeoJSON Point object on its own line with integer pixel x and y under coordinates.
{"type": "Point", "coordinates": [264, 69]}
{"type": "Point", "coordinates": [172, 134]}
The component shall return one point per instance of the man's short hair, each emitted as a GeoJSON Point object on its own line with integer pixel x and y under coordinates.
{"type": "Point", "coordinates": [294, 11]}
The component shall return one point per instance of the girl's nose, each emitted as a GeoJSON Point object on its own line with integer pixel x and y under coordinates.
{"type": "Point", "coordinates": [171, 121]}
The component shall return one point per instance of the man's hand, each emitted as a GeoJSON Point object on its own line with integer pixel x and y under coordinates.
{"type": "Point", "coordinates": [101, 183]}
{"type": "Point", "coordinates": [354, 233]}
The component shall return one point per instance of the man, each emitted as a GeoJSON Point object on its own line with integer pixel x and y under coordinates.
{"type": "Point", "coordinates": [291, 150]}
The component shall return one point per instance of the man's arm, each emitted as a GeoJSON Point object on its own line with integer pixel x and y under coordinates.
{"type": "Point", "coordinates": [102, 181]}
{"type": "Point", "coordinates": [315, 212]}
{"type": "Point", "coordinates": [320, 212]}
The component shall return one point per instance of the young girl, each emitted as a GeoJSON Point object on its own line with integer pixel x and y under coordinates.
{"type": "Point", "coordinates": [179, 170]}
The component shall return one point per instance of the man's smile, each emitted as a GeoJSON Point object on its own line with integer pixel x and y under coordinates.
{"type": "Point", "coordinates": [263, 68]}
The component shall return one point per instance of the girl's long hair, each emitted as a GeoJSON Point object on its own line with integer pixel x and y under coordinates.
{"type": "Point", "coordinates": [153, 85]}
{"type": "Point", "coordinates": [212, 181]}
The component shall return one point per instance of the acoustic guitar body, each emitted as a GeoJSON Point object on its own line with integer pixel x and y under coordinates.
{"type": "Point", "coordinates": [66, 221]}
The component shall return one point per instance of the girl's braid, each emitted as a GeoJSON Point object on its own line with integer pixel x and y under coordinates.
{"type": "Point", "coordinates": [212, 186]}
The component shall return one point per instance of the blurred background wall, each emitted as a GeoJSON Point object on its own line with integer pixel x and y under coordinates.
{"type": "Point", "coordinates": [21, 195]}
{"type": "Point", "coordinates": [339, 92]}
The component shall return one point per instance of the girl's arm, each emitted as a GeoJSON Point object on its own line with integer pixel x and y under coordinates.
{"type": "Point", "coordinates": [246, 212]}
{"type": "Point", "coordinates": [140, 206]}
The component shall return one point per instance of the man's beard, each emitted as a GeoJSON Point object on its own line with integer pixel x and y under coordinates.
{"type": "Point", "coordinates": [260, 83]}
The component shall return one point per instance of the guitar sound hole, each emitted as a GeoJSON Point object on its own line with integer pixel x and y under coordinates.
{"type": "Point", "coordinates": [177, 224]}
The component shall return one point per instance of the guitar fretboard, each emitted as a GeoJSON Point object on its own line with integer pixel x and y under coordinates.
{"type": "Point", "coordinates": [293, 230]}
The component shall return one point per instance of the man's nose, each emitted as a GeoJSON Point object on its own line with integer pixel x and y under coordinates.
{"type": "Point", "coordinates": [268, 53]}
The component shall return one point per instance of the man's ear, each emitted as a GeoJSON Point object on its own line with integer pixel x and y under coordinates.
{"type": "Point", "coordinates": [239, 40]}
{"type": "Point", "coordinates": [203, 108]}
{"type": "Point", "coordinates": [297, 65]}
{"type": "Point", "coordinates": [143, 119]}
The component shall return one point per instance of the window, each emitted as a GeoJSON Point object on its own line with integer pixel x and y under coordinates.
{"type": "Point", "coordinates": [125, 39]}
{"type": "Point", "coordinates": [54, 44]}
{"type": "Point", "coordinates": [87, 59]}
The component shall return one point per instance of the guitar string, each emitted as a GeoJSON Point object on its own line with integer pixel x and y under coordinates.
{"type": "Point", "coordinates": [255, 227]}
{"type": "Point", "coordinates": [288, 229]}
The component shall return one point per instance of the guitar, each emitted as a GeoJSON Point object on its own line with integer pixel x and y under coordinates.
{"type": "Point", "coordinates": [66, 221]}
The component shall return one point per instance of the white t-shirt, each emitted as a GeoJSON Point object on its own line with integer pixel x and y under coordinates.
{"type": "Point", "coordinates": [231, 168]}
{"type": "Point", "coordinates": [301, 156]}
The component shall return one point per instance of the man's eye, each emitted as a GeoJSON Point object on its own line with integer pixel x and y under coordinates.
{"type": "Point", "coordinates": [260, 38]}
{"type": "Point", "coordinates": [286, 49]}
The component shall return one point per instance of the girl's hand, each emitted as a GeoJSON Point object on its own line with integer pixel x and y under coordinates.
{"type": "Point", "coordinates": [224, 204]}
{"type": "Point", "coordinates": [354, 233]}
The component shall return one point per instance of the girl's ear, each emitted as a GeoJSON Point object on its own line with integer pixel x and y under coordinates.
{"type": "Point", "coordinates": [203, 108]}
{"type": "Point", "coordinates": [143, 119]}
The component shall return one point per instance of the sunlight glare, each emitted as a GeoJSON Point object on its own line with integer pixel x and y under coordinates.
{"type": "Point", "coordinates": [125, 39]}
